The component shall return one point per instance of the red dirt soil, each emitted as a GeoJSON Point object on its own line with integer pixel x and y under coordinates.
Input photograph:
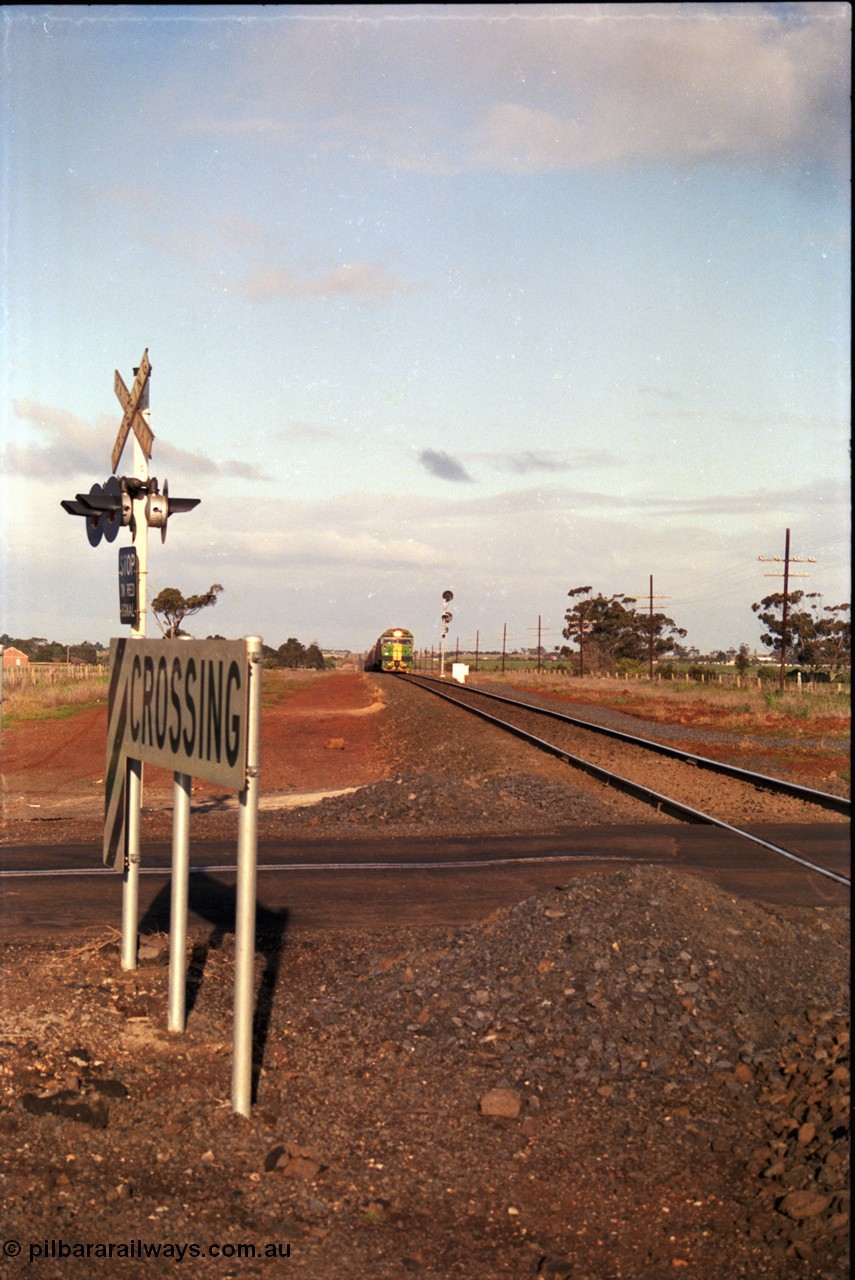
{"type": "Point", "coordinates": [318, 732]}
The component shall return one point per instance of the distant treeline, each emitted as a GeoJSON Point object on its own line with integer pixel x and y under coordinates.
{"type": "Point", "coordinates": [290, 654]}
{"type": "Point", "coordinates": [38, 649]}
{"type": "Point", "coordinates": [293, 654]}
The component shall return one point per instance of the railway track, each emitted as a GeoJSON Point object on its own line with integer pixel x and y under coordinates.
{"type": "Point", "coordinates": [691, 780]}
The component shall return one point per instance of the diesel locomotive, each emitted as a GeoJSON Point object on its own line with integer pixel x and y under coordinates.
{"type": "Point", "coordinates": [392, 652]}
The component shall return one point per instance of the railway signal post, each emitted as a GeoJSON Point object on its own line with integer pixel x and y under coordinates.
{"type": "Point", "coordinates": [445, 619]}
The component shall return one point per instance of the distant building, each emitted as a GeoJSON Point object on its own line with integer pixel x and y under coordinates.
{"type": "Point", "coordinates": [13, 657]}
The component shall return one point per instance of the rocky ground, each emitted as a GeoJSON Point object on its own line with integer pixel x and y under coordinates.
{"type": "Point", "coordinates": [632, 1075]}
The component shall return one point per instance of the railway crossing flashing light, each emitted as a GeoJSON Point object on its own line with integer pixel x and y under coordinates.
{"type": "Point", "coordinates": [110, 507]}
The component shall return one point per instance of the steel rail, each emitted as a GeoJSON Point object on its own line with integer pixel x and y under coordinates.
{"type": "Point", "coordinates": [823, 798]}
{"type": "Point", "coordinates": [637, 789]}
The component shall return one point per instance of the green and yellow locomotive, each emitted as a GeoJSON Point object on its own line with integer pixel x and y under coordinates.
{"type": "Point", "coordinates": [392, 652]}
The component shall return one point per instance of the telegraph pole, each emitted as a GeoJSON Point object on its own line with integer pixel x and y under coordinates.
{"type": "Point", "coordinates": [539, 632]}
{"type": "Point", "coordinates": [788, 560]}
{"type": "Point", "coordinates": [650, 636]}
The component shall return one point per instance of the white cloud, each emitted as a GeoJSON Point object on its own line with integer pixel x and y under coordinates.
{"type": "Point", "coordinates": [68, 446]}
{"type": "Point", "coordinates": [539, 88]}
{"type": "Point", "coordinates": [685, 84]}
{"type": "Point", "coordinates": [361, 281]}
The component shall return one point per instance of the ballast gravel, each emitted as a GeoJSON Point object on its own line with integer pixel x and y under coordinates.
{"type": "Point", "coordinates": [634, 1075]}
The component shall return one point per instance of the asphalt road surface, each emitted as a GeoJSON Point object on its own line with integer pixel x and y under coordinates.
{"type": "Point", "coordinates": [50, 892]}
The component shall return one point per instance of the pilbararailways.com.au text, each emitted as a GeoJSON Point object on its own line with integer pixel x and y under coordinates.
{"type": "Point", "coordinates": [142, 1249]}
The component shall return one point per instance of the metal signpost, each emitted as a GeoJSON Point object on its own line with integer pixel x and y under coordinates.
{"type": "Point", "coordinates": [193, 706]}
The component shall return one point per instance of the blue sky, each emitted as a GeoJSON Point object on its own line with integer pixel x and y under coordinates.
{"type": "Point", "coordinates": [492, 298]}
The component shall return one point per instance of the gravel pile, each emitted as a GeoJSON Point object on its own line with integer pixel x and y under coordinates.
{"type": "Point", "coordinates": [632, 1076]}
{"type": "Point", "coordinates": [412, 804]}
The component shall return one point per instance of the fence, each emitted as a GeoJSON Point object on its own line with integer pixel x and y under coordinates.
{"type": "Point", "coordinates": [728, 680]}
{"type": "Point", "coordinates": [51, 673]}
{"type": "Point", "coordinates": [798, 683]}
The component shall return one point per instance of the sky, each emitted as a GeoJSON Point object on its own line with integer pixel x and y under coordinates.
{"type": "Point", "coordinates": [496, 299]}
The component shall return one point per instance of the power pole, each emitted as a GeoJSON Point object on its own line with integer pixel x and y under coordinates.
{"type": "Point", "coordinates": [539, 632]}
{"type": "Point", "coordinates": [651, 598]}
{"type": "Point", "coordinates": [788, 560]}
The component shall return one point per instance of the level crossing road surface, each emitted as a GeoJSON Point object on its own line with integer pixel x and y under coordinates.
{"type": "Point", "coordinates": [52, 891]}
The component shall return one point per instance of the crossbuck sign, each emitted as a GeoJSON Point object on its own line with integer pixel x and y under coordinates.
{"type": "Point", "coordinates": [132, 417]}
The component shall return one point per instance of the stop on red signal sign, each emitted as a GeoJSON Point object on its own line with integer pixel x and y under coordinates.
{"type": "Point", "coordinates": [128, 585]}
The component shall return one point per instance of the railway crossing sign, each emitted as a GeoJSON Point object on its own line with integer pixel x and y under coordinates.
{"type": "Point", "coordinates": [193, 706]}
{"type": "Point", "coordinates": [182, 704]}
{"type": "Point", "coordinates": [133, 418]}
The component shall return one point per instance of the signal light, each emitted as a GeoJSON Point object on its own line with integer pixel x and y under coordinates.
{"type": "Point", "coordinates": [109, 506]}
